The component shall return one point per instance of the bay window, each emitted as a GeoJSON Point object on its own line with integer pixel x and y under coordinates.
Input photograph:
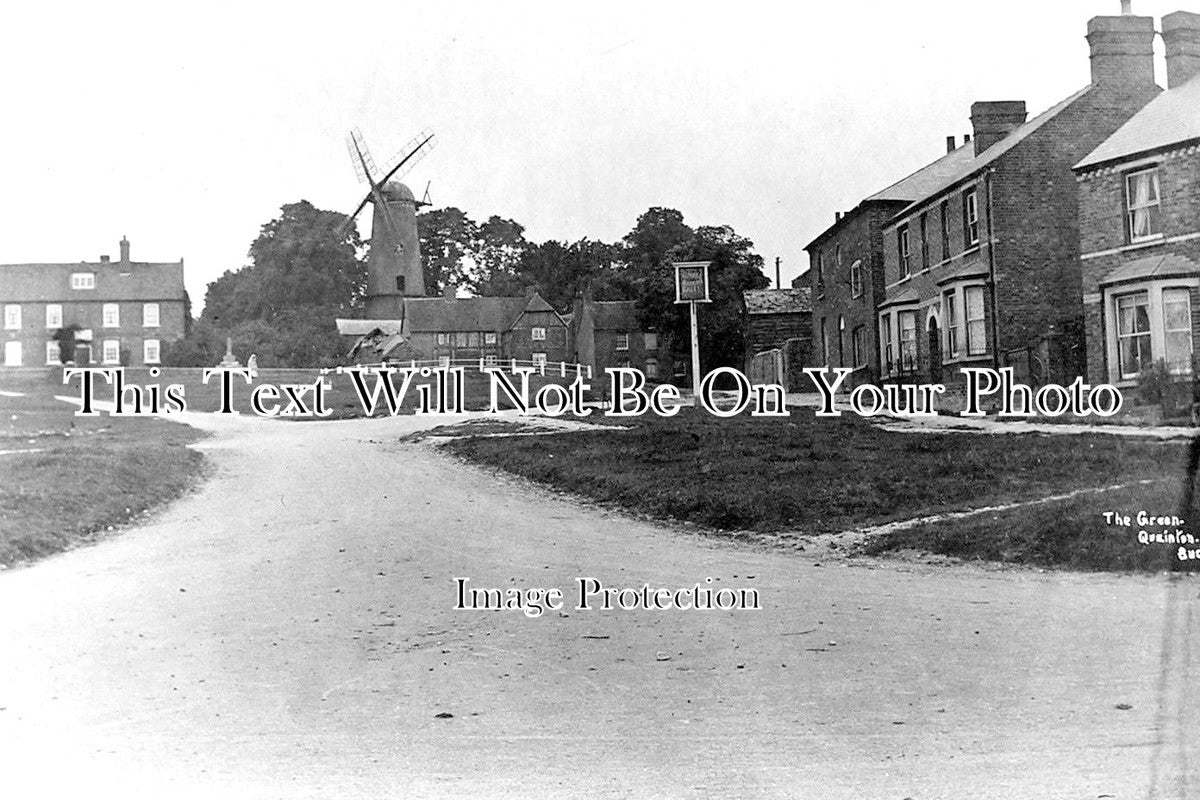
{"type": "Point", "coordinates": [1147, 323]}
{"type": "Point", "coordinates": [885, 340]}
{"type": "Point", "coordinates": [952, 322]}
{"type": "Point", "coordinates": [976, 332]}
{"type": "Point", "coordinates": [907, 324]}
{"type": "Point", "coordinates": [1134, 351]}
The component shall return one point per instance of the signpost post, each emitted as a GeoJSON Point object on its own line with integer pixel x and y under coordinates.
{"type": "Point", "coordinates": [691, 287]}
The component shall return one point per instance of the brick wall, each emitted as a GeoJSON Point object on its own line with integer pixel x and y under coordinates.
{"type": "Point", "coordinates": [519, 343]}
{"type": "Point", "coordinates": [1035, 195]}
{"type": "Point", "coordinates": [860, 236]}
{"type": "Point", "coordinates": [89, 315]}
{"type": "Point", "coordinates": [1104, 236]}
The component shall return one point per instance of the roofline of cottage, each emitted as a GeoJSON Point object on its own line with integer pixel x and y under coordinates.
{"type": "Point", "coordinates": [1154, 152]}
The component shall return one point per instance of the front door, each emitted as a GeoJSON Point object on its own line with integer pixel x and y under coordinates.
{"type": "Point", "coordinates": [12, 354]}
{"type": "Point", "coordinates": [935, 352]}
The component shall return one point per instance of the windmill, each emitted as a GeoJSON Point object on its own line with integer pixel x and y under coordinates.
{"type": "Point", "coordinates": [394, 264]}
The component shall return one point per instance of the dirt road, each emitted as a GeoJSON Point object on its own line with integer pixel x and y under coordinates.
{"type": "Point", "coordinates": [288, 631]}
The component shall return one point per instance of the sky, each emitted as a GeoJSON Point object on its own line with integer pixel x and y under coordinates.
{"type": "Point", "coordinates": [187, 127]}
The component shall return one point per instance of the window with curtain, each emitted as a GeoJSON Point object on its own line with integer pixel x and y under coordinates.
{"type": "Point", "coordinates": [1141, 197]}
{"type": "Point", "coordinates": [908, 340]}
{"type": "Point", "coordinates": [1177, 327]}
{"type": "Point", "coordinates": [971, 218]}
{"type": "Point", "coordinates": [976, 332]}
{"type": "Point", "coordinates": [950, 315]}
{"type": "Point", "coordinates": [1133, 334]}
{"type": "Point", "coordinates": [856, 282]}
{"type": "Point", "coordinates": [885, 339]}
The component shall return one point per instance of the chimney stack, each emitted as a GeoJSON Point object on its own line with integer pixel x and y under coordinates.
{"type": "Point", "coordinates": [994, 120]}
{"type": "Point", "coordinates": [104, 259]}
{"type": "Point", "coordinates": [1181, 35]}
{"type": "Point", "coordinates": [124, 250]}
{"type": "Point", "coordinates": [1122, 49]}
{"type": "Point", "coordinates": [449, 291]}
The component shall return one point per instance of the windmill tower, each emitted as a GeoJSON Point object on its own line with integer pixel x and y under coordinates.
{"type": "Point", "coordinates": [394, 263]}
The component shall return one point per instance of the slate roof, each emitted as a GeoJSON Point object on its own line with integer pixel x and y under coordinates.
{"type": "Point", "coordinates": [778, 301]}
{"type": "Point", "coordinates": [435, 314]}
{"type": "Point", "coordinates": [1159, 266]}
{"type": "Point", "coordinates": [906, 297]}
{"type": "Point", "coordinates": [971, 269]}
{"type": "Point", "coordinates": [1171, 118]}
{"type": "Point", "coordinates": [929, 178]}
{"type": "Point", "coordinates": [956, 170]}
{"type": "Point", "coordinates": [115, 281]}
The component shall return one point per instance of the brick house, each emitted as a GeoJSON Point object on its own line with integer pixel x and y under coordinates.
{"type": "Point", "coordinates": [983, 269]}
{"type": "Point", "coordinates": [453, 328]}
{"type": "Point", "coordinates": [846, 269]}
{"type": "Point", "coordinates": [126, 312]}
{"type": "Point", "coordinates": [538, 334]}
{"type": "Point", "coordinates": [606, 333]}
{"type": "Point", "coordinates": [1139, 226]}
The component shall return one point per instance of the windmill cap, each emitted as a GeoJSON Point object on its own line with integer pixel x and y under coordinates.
{"type": "Point", "coordinates": [394, 190]}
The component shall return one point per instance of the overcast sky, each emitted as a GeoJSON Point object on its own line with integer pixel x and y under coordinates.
{"type": "Point", "coordinates": [187, 129]}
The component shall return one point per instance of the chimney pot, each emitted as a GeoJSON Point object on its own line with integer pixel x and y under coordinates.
{"type": "Point", "coordinates": [993, 120]}
{"type": "Point", "coordinates": [124, 250]}
{"type": "Point", "coordinates": [1122, 50]}
{"type": "Point", "coordinates": [1181, 37]}
{"type": "Point", "coordinates": [837, 216]}
{"type": "Point", "coordinates": [966, 138]}
{"type": "Point", "coordinates": [1126, 7]}
{"type": "Point", "coordinates": [949, 144]}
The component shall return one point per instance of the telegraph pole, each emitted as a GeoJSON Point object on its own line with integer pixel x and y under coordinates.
{"type": "Point", "coordinates": [778, 282]}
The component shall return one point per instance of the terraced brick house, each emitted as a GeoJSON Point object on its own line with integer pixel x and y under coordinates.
{"type": "Point", "coordinates": [983, 268]}
{"type": "Point", "coordinates": [1139, 225]}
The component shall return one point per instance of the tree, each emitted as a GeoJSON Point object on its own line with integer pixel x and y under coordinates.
{"type": "Point", "coordinates": [497, 252]}
{"type": "Point", "coordinates": [304, 272]}
{"type": "Point", "coordinates": [660, 238]}
{"type": "Point", "coordinates": [448, 239]}
{"type": "Point", "coordinates": [66, 342]}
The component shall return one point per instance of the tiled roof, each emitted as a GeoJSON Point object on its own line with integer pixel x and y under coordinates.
{"type": "Point", "coordinates": [361, 327]}
{"type": "Point", "coordinates": [614, 315]}
{"type": "Point", "coordinates": [778, 301]}
{"type": "Point", "coordinates": [1159, 266]}
{"type": "Point", "coordinates": [435, 314]}
{"type": "Point", "coordinates": [115, 281]}
{"type": "Point", "coordinates": [1171, 118]}
{"type": "Point", "coordinates": [958, 169]}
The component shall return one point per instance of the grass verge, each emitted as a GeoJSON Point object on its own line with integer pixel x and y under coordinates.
{"type": "Point", "coordinates": [1071, 533]}
{"type": "Point", "coordinates": [82, 476]}
{"type": "Point", "coordinates": [809, 475]}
